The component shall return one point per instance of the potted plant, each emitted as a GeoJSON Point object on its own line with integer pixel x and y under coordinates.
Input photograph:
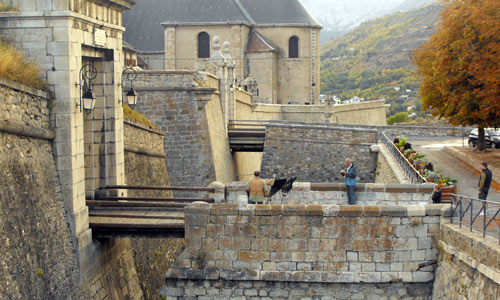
{"type": "Point", "coordinates": [402, 143]}
{"type": "Point", "coordinates": [409, 152]}
{"type": "Point", "coordinates": [431, 176]}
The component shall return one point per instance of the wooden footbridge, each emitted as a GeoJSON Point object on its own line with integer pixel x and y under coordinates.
{"type": "Point", "coordinates": [111, 216]}
{"type": "Point", "coordinates": [247, 136]}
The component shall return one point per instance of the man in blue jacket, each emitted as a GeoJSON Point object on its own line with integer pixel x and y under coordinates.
{"type": "Point", "coordinates": [350, 180]}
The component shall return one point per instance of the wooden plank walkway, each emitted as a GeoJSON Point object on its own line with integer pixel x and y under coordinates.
{"type": "Point", "coordinates": [115, 217]}
{"type": "Point", "coordinates": [123, 222]}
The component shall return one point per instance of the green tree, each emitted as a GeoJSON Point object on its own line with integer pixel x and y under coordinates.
{"type": "Point", "coordinates": [460, 65]}
{"type": "Point", "coordinates": [401, 117]}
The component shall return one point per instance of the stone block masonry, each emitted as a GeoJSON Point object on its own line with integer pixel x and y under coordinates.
{"type": "Point", "coordinates": [145, 166]}
{"type": "Point", "coordinates": [177, 102]}
{"type": "Point", "coordinates": [60, 36]}
{"type": "Point", "coordinates": [335, 194]}
{"type": "Point", "coordinates": [317, 153]}
{"type": "Point", "coordinates": [37, 250]}
{"type": "Point", "coordinates": [306, 245]}
{"type": "Point", "coordinates": [468, 265]}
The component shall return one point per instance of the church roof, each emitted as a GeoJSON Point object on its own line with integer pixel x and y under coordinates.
{"type": "Point", "coordinates": [258, 43]}
{"type": "Point", "coordinates": [143, 22]}
{"type": "Point", "coordinates": [265, 12]}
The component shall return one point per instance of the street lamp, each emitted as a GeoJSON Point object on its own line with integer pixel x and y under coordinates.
{"type": "Point", "coordinates": [87, 101]}
{"type": "Point", "coordinates": [131, 95]}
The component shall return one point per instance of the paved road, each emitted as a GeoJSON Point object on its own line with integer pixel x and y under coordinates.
{"type": "Point", "coordinates": [448, 165]}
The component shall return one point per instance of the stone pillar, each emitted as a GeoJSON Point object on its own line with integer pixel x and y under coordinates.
{"type": "Point", "coordinates": [218, 65]}
{"type": "Point", "coordinates": [170, 54]}
{"type": "Point", "coordinates": [219, 193]}
{"type": "Point", "coordinates": [231, 65]}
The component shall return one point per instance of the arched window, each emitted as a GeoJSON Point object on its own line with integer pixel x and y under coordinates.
{"type": "Point", "coordinates": [203, 45]}
{"type": "Point", "coordinates": [293, 47]}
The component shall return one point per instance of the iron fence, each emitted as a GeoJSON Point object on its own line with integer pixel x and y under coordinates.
{"type": "Point", "coordinates": [477, 214]}
{"type": "Point", "coordinates": [410, 172]}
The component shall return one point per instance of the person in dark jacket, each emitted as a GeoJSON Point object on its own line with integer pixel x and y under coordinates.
{"type": "Point", "coordinates": [484, 181]}
{"type": "Point", "coordinates": [350, 180]}
{"type": "Point", "coordinates": [436, 194]}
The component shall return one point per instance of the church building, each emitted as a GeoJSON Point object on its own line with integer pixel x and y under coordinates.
{"type": "Point", "coordinates": [274, 44]}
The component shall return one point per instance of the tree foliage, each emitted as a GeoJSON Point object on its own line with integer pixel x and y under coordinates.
{"type": "Point", "coordinates": [400, 117]}
{"type": "Point", "coordinates": [460, 64]}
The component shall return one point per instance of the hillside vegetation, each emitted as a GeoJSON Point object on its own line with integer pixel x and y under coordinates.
{"type": "Point", "coordinates": [374, 60]}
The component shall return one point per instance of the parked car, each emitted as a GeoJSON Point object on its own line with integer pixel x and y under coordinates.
{"type": "Point", "coordinates": [491, 136]}
{"type": "Point", "coordinates": [495, 138]}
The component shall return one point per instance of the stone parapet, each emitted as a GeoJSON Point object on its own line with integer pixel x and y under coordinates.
{"type": "Point", "coordinates": [391, 130]}
{"type": "Point", "coordinates": [309, 243]}
{"type": "Point", "coordinates": [335, 194]}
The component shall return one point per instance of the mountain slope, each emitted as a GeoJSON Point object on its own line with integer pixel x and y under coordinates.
{"type": "Point", "coordinates": [374, 59]}
{"type": "Point", "coordinates": [340, 16]}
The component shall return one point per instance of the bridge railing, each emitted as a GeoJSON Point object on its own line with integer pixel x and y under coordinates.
{"type": "Point", "coordinates": [247, 124]}
{"type": "Point", "coordinates": [477, 214]}
{"type": "Point", "coordinates": [410, 172]}
{"type": "Point", "coordinates": [105, 200]}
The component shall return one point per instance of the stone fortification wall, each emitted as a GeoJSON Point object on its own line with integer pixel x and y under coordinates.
{"type": "Point", "coordinates": [468, 265]}
{"type": "Point", "coordinates": [39, 257]}
{"type": "Point", "coordinates": [38, 254]}
{"type": "Point", "coordinates": [115, 274]}
{"type": "Point", "coordinates": [145, 166]}
{"type": "Point", "coordinates": [336, 194]}
{"type": "Point", "coordinates": [317, 153]}
{"type": "Point", "coordinates": [372, 112]}
{"type": "Point", "coordinates": [177, 102]}
{"type": "Point", "coordinates": [144, 160]}
{"type": "Point", "coordinates": [396, 130]}
{"type": "Point", "coordinates": [306, 246]}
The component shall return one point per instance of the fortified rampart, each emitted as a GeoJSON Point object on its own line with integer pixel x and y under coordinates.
{"type": "Point", "coordinates": [37, 245]}
{"type": "Point", "coordinates": [191, 116]}
{"type": "Point", "coordinates": [297, 251]}
{"type": "Point", "coordinates": [317, 153]}
{"type": "Point", "coordinates": [370, 112]}
{"type": "Point", "coordinates": [39, 254]}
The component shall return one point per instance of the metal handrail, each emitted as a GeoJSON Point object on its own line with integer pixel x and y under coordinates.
{"type": "Point", "coordinates": [457, 210]}
{"type": "Point", "coordinates": [410, 172]}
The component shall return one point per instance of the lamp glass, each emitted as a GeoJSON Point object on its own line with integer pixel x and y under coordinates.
{"type": "Point", "coordinates": [88, 100]}
{"type": "Point", "coordinates": [131, 97]}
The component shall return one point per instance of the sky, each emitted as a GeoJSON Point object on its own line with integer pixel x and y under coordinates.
{"type": "Point", "coordinates": [343, 15]}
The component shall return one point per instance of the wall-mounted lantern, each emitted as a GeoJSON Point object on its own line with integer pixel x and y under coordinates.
{"type": "Point", "coordinates": [87, 101]}
{"type": "Point", "coordinates": [131, 95]}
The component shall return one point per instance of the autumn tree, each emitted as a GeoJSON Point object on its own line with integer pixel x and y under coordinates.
{"type": "Point", "coordinates": [460, 65]}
